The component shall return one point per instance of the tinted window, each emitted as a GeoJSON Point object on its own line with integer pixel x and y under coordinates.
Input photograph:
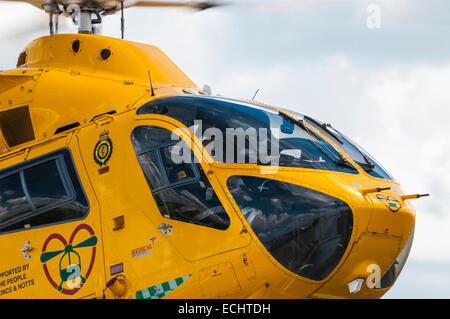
{"type": "Point", "coordinates": [41, 192]}
{"type": "Point", "coordinates": [44, 184]}
{"type": "Point", "coordinates": [193, 203]}
{"type": "Point", "coordinates": [305, 230]}
{"type": "Point", "coordinates": [179, 185]}
{"type": "Point", "coordinates": [176, 172]}
{"type": "Point", "coordinates": [240, 132]}
{"type": "Point", "coordinates": [149, 164]}
{"type": "Point", "coordinates": [12, 198]}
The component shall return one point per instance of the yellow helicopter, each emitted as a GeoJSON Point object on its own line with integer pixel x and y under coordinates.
{"type": "Point", "coordinates": [121, 178]}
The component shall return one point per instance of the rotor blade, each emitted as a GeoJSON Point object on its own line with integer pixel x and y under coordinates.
{"type": "Point", "coordinates": [37, 3]}
{"type": "Point", "coordinates": [87, 243]}
{"type": "Point", "coordinates": [49, 255]}
{"type": "Point", "coordinates": [198, 5]}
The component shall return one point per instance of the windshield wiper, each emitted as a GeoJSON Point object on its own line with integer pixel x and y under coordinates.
{"type": "Point", "coordinates": [344, 162]}
{"type": "Point", "coordinates": [325, 128]}
{"type": "Point", "coordinates": [340, 159]}
{"type": "Point", "coordinates": [300, 123]}
{"type": "Point", "coordinates": [368, 162]}
{"type": "Point", "coordinates": [369, 166]}
{"type": "Point", "coordinates": [292, 120]}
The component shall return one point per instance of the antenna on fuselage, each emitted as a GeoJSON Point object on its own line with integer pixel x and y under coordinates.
{"type": "Point", "coordinates": [122, 20]}
{"type": "Point", "coordinates": [255, 94]}
{"type": "Point", "coordinates": [53, 11]}
{"type": "Point", "coordinates": [50, 23]}
{"type": "Point", "coordinates": [151, 84]}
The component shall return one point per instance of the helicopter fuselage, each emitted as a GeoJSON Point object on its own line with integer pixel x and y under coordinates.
{"type": "Point", "coordinates": [81, 118]}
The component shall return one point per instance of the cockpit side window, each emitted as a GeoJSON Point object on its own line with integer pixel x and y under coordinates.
{"type": "Point", "coordinates": [41, 192]}
{"type": "Point", "coordinates": [238, 132]}
{"type": "Point", "coordinates": [178, 184]}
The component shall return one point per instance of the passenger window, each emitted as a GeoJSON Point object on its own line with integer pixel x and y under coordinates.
{"type": "Point", "coordinates": [180, 187]}
{"type": "Point", "coordinates": [41, 192]}
{"type": "Point", "coordinates": [12, 198]}
{"type": "Point", "coordinates": [44, 184]}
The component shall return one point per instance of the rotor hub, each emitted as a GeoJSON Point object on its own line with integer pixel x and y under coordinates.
{"type": "Point", "coordinates": [82, 11]}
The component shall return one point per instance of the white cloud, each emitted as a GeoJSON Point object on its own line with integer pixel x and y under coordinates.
{"type": "Point", "coordinates": [411, 108]}
{"type": "Point", "coordinates": [422, 280]}
{"type": "Point", "coordinates": [431, 239]}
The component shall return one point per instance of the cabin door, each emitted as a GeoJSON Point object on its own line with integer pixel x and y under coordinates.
{"type": "Point", "coordinates": [180, 192]}
{"type": "Point", "coordinates": [49, 226]}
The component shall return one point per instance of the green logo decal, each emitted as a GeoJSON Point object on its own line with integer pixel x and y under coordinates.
{"type": "Point", "coordinates": [73, 275]}
{"type": "Point", "coordinates": [160, 290]}
{"type": "Point", "coordinates": [390, 202]}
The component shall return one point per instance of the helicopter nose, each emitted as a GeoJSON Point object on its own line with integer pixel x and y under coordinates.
{"type": "Point", "coordinates": [378, 254]}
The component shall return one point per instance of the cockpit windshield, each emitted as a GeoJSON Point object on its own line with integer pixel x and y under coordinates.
{"type": "Point", "coordinates": [356, 152]}
{"type": "Point", "coordinates": [243, 132]}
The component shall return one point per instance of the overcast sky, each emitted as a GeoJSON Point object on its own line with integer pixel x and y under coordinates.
{"type": "Point", "coordinates": [386, 87]}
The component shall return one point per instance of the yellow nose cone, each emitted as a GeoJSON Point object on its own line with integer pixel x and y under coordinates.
{"type": "Point", "coordinates": [378, 253]}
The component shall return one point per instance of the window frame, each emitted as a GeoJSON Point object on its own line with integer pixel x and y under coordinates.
{"type": "Point", "coordinates": [157, 107]}
{"type": "Point", "coordinates": [157, 123]}
{"type": "Point", "coordinates": [263, 246]}
{"type": "Point", "coordinates": [66, 180]}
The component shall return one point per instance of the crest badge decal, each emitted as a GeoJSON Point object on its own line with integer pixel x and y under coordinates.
{"type": "Point", "coordinates": [103, 149]}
